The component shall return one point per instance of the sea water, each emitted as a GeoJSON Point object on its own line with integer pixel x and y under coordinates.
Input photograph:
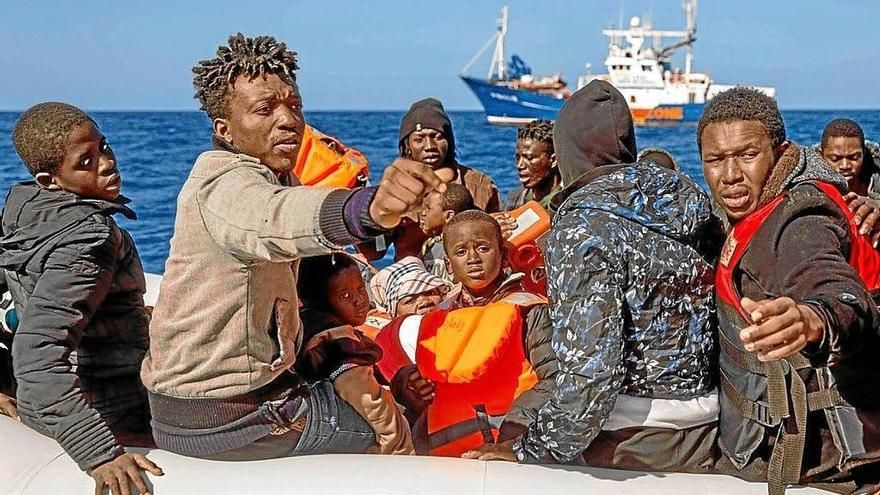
{"type": "Point", "coordinates": [155, 151]}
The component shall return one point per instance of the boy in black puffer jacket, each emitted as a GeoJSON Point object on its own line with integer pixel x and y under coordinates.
{"type": "Point", "coordinates": [77, 283]}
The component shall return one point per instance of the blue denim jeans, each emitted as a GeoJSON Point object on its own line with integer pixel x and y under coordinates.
{"type": "Point", "coordinates": [332, 427]}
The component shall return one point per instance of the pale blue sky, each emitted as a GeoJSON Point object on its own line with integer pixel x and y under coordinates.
{"type": "Point", "coordinates": [361, 54]}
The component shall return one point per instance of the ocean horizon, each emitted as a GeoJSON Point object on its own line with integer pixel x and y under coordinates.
{"type": "Point", "coordinates": [155, 150]}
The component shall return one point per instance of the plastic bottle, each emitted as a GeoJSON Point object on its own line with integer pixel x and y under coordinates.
{"type": "Point", "coordinates": [525, 256]}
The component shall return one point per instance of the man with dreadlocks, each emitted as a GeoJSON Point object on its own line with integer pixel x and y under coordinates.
{"type": "Point", "coordinates": [535, 165]}
{"type": "Point", "coordinates": [225, 326]}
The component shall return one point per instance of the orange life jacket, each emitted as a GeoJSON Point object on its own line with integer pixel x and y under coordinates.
{"type": "Point", "coordinates": [475, 358]}
{"type": "Point", "coordinates": [324, 161]}
{"type": "Point", "coordinates": [533, 222]}
{"type": "Point", "coordinates": [376, 321]}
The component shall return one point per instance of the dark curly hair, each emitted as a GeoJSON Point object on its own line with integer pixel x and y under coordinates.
{"type": "Point", "coordinates": [314, 276]}
{"type": "Point", "coordinates": [539, 130]}
{"type": "Point", "coordinates": [473, 216]}
{"type": "Point", "coordinates": [252, 57]}
{"type": "Point", "coordinates": [843, 128]}
{"type": "Point", "coordinates": [742, 103]}
{"type": "Point", "coordinates": [456, 198]}
{"type": "Point", "coordinates": [41, 133]}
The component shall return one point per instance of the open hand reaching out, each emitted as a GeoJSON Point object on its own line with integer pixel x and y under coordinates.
{"type": "Point", "coordinates": [867, 213]}
{"type": "Point", "coordinates": [781, 327]}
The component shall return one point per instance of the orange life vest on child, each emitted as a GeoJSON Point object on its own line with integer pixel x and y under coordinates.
{"type": "Point", "coordinates": [324, 161]}
{"type": "Point", "coordinates": [376, 321]}
{"type": "Point", "coordinates": [475, 358]}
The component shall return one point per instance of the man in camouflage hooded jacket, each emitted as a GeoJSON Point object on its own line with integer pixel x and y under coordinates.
{"type": "Point", "coordinates": [631, 304]}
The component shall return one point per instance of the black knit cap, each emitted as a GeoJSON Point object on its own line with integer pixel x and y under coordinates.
{"type": "Point", "coordinates": [427, 113]}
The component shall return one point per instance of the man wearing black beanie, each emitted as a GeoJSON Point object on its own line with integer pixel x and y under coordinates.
{"type": "Point", "coordinates": [426, 136]}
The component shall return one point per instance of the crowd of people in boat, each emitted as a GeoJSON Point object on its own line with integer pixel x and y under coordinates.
{"type": "Point", "coordinates": [733, 332]}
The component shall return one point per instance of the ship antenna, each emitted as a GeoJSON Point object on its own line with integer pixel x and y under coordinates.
{"type": "Point", "coordinates": [498, 57]}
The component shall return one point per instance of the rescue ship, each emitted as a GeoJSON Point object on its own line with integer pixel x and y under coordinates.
{"type": "Point", "coordinates": [638, 64]}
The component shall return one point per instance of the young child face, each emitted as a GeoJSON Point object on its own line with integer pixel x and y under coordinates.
{"type": "Point", "coordinates": [432, 217]}
{"type": "Point", "coordinates": [473, 254]}
{"type": "Point", "coordinates": [348, 296]}
{"type": "Point", "coordinates": [419, 304]}
{"type": "Point", "coordinates": [88, 168]}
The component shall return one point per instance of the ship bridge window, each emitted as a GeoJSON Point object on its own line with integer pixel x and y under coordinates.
{"type": "Point", "coordinates": [627, 67]}
{"type": "Point", "coordinates": [647, 68]}
{"type": "Point", "coordinates": [632, 99]}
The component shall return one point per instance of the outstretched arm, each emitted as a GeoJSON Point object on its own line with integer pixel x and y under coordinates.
{"type": "Point", "coordinates": [279, 223]}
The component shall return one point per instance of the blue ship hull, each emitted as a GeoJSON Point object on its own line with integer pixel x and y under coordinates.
{"type": "Point", "coordinates": [505, 105]}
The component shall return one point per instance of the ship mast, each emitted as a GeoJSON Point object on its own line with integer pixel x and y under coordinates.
{"type": "Point", "coordinates": [690, 11]}
{"type": "Point", "coordinates": [496, 66]}
{"type": "Point", "coordinates": [497, 63]}
{"type": "Point", "coordinates": [637, 33]}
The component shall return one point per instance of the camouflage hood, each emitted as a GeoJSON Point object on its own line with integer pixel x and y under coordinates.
{"type": "Point", "coordinates": [666, 202]}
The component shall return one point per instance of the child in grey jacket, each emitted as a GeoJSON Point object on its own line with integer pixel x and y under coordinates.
{"type": "Point", "coordinates": [77, 284]}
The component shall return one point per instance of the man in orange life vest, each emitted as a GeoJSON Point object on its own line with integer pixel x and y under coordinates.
{"type": "Point", "coordinates": [486, 358]}
{"type": "Point", "coordinates": [800, 386]}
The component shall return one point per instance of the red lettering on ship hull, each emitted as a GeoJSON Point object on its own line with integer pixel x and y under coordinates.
{"type": "Point", "coordinates": [642, 115]}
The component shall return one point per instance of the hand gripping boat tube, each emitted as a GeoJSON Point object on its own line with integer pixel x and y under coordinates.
{"type": "Point", "coordinates": [532, 222]}
{"type": "Point", "coordinates": [324, 161]}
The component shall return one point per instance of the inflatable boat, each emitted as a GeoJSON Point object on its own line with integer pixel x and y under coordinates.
{"type": "Point", "coordinates": [33, 464]}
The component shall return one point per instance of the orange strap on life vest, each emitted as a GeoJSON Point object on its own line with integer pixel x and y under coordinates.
{"type": "Point", "coordinates": [863, 257]}
{"type": "Point", "coordinates": [376, 321]}
{"type": "Point", "coordinates": [324, 161]}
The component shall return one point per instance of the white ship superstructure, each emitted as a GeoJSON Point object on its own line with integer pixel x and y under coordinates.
{"type": "Point", "coordinates": [639, 66]}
